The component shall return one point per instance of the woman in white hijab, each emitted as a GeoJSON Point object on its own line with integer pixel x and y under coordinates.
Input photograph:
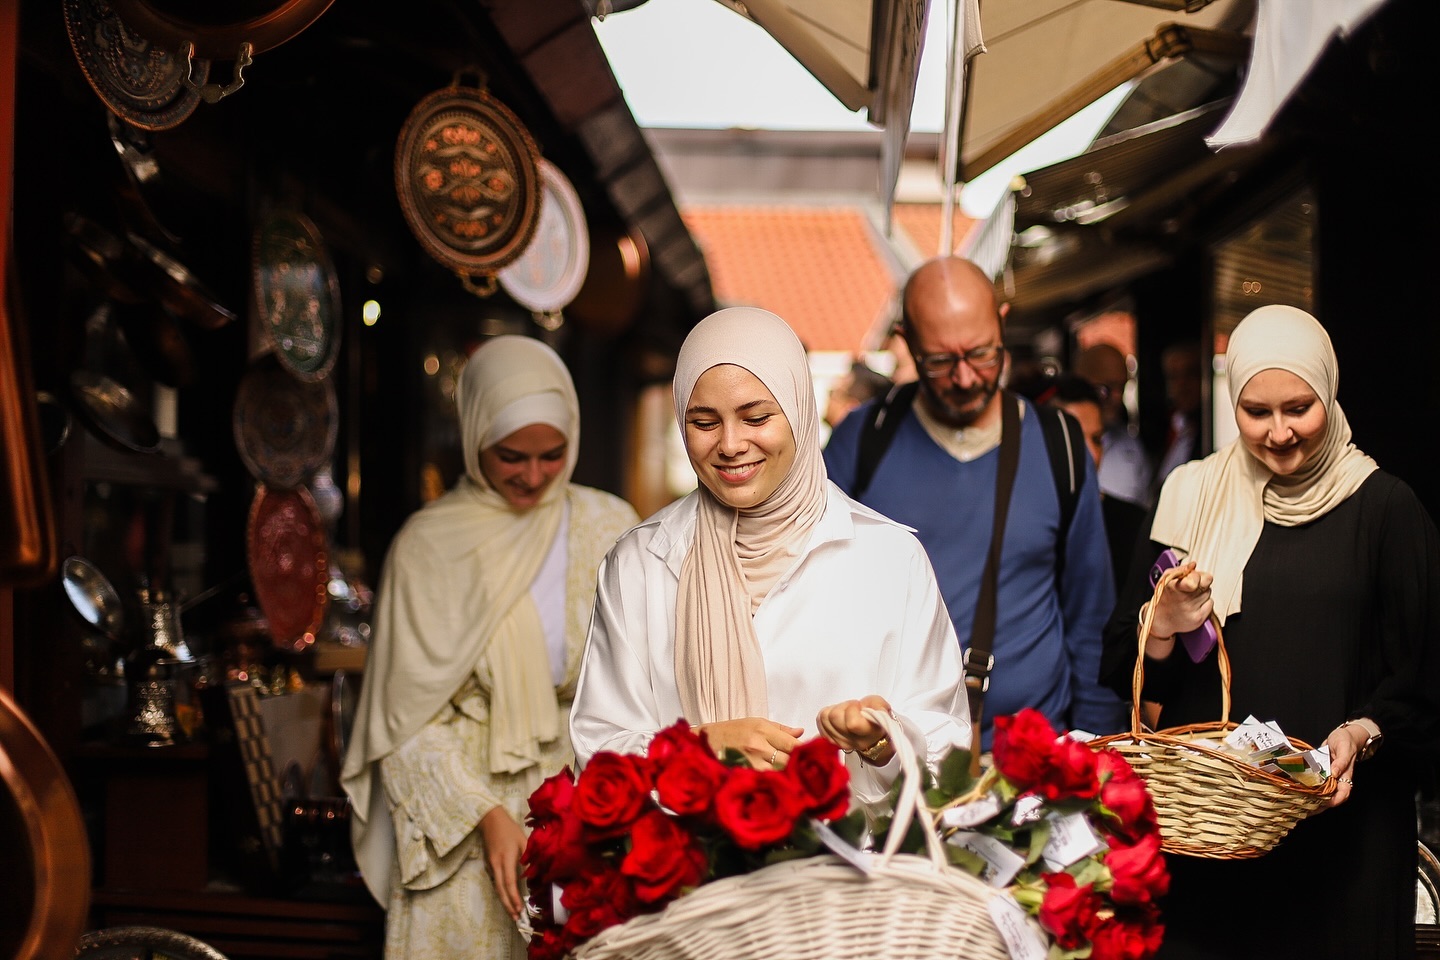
{"type": "Point", "coordinates": [766, 606]}
{"type": "Point", "coordinates": [1324, 572]}
{"type": "Point", "coordinates": [478, 630]}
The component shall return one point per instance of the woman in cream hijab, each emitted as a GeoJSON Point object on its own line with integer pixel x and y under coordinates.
{"type": "Point", "coordinates": [1324, 574]}
{"type": "Point", "coordinates": [766, 606]}
{"type": "Point", "coordinates": [479, 625]}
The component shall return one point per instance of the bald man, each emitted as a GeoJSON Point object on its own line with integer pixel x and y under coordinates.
{"type": "Point", "coordinates": [1125, 469]}
{"type": "Point", "coordinates": [938, 475]}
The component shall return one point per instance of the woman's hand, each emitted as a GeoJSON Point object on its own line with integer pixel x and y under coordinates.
{"type": "Point", "coordinates": [765, 743]}
{"type": "Point", "coordinates": [845, 725]}
{"type": "Point", "coordinates": [1183, 605]}
{"type": "Point", "coordinates": [504, 843]}
{"type": "Point", "coordinates": [1345, 744]}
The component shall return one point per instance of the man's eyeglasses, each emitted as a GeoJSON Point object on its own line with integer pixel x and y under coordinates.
{"type": "Point", "coordinates": [937, 365]}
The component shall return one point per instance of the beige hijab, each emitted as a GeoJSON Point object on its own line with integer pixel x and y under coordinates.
{"type": "Point", "coordinates": [738, 555]}
{"type": "Point", "coordinates": [1212, 510]}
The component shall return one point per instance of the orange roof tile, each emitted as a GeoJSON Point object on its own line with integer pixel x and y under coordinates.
{"type": "Point", "coordinates": [826, 270]}
{"type": "Point", "coordinates": [821, 268]}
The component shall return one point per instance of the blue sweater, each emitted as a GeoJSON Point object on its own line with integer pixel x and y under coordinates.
{"type": "Point", "coordinates": [1047, 642]}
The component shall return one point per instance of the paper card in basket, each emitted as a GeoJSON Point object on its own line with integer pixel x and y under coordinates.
{"type": "Point", "coordinates": [1201, 640]}
{"type": "Point", "coordinates": [1020, 940]}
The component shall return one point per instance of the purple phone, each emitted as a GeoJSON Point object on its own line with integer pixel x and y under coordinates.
{"type": "Point", "coordinates": [1198, 642]}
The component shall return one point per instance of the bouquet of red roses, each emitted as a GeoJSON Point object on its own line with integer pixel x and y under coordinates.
{"type": "Point", "coordinates": [1066, 829]}
{"type": "Point", "coordinates": [633, 833]}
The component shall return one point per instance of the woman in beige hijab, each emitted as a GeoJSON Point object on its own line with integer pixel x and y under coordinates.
{"type": "Point", "coordinates": [1324, 573]}
{"type": "Point", "coordinates": [766, 606]}
{"type": "Point", "coordinates": [479, 625]}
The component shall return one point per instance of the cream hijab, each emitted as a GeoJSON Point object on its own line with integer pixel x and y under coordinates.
{"type": "Point", "coordinates": [454, 598]}
{"type": "Point", "coordinates": [738, 555]}
{"type": "Point", "coordinates": [1212, 510]}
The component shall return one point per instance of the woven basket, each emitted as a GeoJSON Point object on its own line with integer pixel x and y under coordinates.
{"type": "Point", "coordinates": [1209, 803]}
{"type": "Point", "coordinates": [909, 907]}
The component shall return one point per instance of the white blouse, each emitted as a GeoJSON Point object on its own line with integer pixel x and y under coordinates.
{"type": "Point", "coordinates": [859, 613]}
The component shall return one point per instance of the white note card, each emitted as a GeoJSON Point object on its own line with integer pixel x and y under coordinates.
{"type": "Point", "coordinates": [1020, 939]}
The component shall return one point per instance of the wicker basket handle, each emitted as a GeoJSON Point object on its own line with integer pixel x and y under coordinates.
{"type": "Point", "coordinates": [1138, 680]}
{"type": "Point", "coordinates": [912, 799]}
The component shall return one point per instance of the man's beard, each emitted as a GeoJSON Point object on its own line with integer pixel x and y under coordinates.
{"type": "Point", "coordinates": [960, 410]}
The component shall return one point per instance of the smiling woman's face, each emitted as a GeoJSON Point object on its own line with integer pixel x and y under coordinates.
{"type": "Point", "coordinates": [738, 439]}
{"type": "Point", "coordinates": [523, 465]}
{"type": "Point", "coordinates": [1281, 420]}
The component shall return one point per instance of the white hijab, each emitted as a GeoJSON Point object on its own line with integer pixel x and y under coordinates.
{"type": "Point", "coordinates": [430, 635]}
{"type": "Point", "coordinates": [738, 555]}
{"type": "Point", "coordinates": [1212, 510]}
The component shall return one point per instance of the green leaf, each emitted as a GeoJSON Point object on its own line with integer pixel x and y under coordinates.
{"type": "Point", "coordinates": [955, 778]}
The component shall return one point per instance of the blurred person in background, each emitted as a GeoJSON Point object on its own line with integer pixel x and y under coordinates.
{"type": "Point", "coordinates": [479, 628]}
{"type": "Point", "coordinates": [1125, 471]}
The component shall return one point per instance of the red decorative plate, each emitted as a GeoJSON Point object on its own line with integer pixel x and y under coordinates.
{"type": "Point", "coordinates": [285, 545]}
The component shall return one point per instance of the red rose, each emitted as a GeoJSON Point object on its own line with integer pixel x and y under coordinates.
{"type": "Point", "coordinates": [556, 851]}
{"type": "Point", "coordinates": [611, 793]}
{"type": "Point", "coordinates": [665, 861]}
{"type": "Point", "coordinates": [1130, 811]}
{"type": "Point", "coordinates": [1023, 747]}
{"type": "Point", "coordinates": [757, 807]}
{"type": "Point", "coordinates": [1138, 871]}
{"type": "Point", "coordinates": [552, 798]}
{"type": "Point", "coordinates": [547, 945]}
{"type": "Point", "coordinates": [598, 900]}
{"type": "Point", "coordinates": [688, 781]}
{"type": "Point", "coordinates": [1068, 911]}
{"type": "Point", "coordinates": [1074, 772]}
{"type": "Point", "coordinates": [821, 779]}
{"type": "Point", "coordinates": [1134, 936]}
{"type": "Point", "coordinates": [679, 737]}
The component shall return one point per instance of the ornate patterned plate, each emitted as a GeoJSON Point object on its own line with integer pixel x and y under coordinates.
{"type": "Point", "coordinates": [289, 564]}
{"type": "Point", "coordinates": [285, 428]}
{"type": "Point", "coordinates": [139, 82]}
{"type": "Point", "coordinates": [297, 293]}
{"type": "Point", "coordinates": [551, 269]}
{"type": "Point", "coordinates": [467, 179]}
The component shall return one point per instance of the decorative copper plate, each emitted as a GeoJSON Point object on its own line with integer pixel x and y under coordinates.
{"type": "Point", "coordinates": [289, 564]}
{"type": "Point", "coordinates": [139, 81]}
{"type": "Point", "coordinates": [466, 175]}
{"type": "Point", "coordinates": [285, 428]}
{"type": "Point", "coordinates": [551, 269]}
{"type": "Point", "coordinates": [297, 293]}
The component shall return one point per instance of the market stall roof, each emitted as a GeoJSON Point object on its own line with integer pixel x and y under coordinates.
{"type": "Point", "coordinates": [1087, 49]}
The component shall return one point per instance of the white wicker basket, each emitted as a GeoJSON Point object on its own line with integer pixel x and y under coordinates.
{"type": "Point", "coordinates": [908, 907]}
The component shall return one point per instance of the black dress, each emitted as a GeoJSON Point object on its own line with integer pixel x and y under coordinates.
{"type": "Point", "coordinates": [1340, 618]}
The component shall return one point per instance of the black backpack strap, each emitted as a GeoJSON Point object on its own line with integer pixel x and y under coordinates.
{"type": "Point", "coordinates": [881, 423]}
{"type": "Point", "coordinates": [1065, 442]}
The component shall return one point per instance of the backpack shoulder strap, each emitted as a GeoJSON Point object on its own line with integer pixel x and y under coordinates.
{"type": "Point", "coordinates": [1066, 446]}
{"type": "Point", "coordinates": [881, 423]}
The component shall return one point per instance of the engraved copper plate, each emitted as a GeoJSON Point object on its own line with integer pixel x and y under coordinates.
{"type": "Point", "coordinates": [297, 294]}
{"type": "Point", "coordinates": [285, 546]}
{"type": "Point", "coordinates": [218, 29]}
{"type": "Point", "coordinates": [285, 428]}
{"type": "Point", "coordinates": [140, 82]}
{"type": "Point", "coordinates": [467, 179]}
{"type": "Point", "coordinates": [551, 269]}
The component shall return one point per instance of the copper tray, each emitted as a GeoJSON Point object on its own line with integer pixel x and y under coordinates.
{"type": "Point", "coordinates": [218, 29]}
{"type": "Point", "coordinates": [297, 293]}
{"type": "Point", "coordinates": [285, 428]}
{"type": "Point", "coordinates": [467, 179]}
{"type": "Point", "coordinates": [285, 546]}
{"type": "Point", "coordinates": [138, 80]}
